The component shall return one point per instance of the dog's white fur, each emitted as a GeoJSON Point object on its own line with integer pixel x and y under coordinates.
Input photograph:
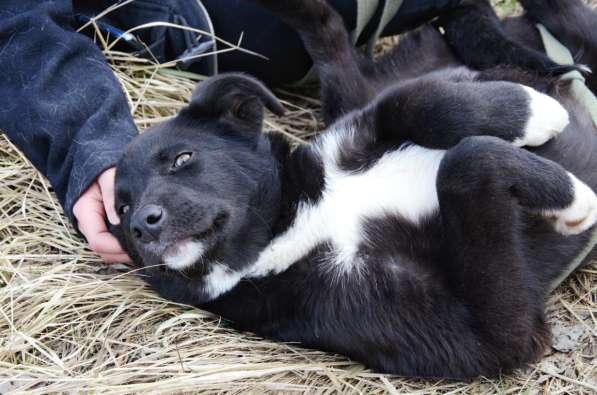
{"type": "Point", "coordinates": [547, 119]}
{"type": "Point", "coordinates": [220, 279]}
{"type": "Point", "coordinates": [184, 254]}
{"type": "Point", "coordinates": [581, 214]}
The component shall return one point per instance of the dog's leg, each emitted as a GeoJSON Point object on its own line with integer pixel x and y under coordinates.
{"type": "Point", "coordinates": [574, 24]}
{"type": "Point", "coordinates": [542, 84]}
{"type": "Point", "coordinates": [343, 84]}
{"type": "Point", "coordinates": [571, 21]}
{"type": "Point", "coordinates": [474, 32]}
{"type": "Point", "coordinates": [482, 184]}
{"type": "Point", "coordinates": [436, 113]}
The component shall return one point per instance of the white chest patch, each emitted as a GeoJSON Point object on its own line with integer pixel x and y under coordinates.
{"type": "Point", "coordinates": [401, 182]}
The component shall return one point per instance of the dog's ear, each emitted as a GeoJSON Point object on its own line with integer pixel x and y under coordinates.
{"type": "Point", "coordinates": [235, 98]}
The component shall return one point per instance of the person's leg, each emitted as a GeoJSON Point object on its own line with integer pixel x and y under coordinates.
{"type": "Point", "coordinates": [288, 61]}
{"type": "Point", "coordinates": [413, 14]}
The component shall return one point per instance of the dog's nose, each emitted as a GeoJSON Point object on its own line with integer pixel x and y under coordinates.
{"type": "Point", "coordinates": [147, 222]}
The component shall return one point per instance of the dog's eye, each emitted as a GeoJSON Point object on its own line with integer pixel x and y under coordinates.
{"type": "Point", "coordinates": [181, 159]}
{"type": "Point", "coordinates": [122, 210]}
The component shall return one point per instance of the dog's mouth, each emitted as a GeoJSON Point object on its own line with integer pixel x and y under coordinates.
{"type": "Point", "coordinates": [184, 252]}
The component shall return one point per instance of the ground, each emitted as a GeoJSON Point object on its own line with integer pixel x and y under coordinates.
{"type": "Point", "coordinates": [69, 323]}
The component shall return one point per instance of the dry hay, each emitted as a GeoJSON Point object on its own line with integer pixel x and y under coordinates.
{"type": "Point", "coordinates": [70, 324]}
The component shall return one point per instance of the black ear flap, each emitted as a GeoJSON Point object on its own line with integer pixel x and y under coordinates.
{"type": "Point", "coordinates": [233, 97]}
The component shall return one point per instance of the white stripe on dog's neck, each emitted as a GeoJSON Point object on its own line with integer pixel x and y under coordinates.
{"type": "Point", "coordinates": [221, 279]}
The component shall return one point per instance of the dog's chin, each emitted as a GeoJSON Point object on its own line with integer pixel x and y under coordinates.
{"type": "Point", "coordinates": [191, 254]}
{"type": "Point", "coordinates": [184, 254]}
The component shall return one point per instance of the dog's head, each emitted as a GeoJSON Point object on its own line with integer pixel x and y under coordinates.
{"type": "Point", "coordinates": [203, 187]}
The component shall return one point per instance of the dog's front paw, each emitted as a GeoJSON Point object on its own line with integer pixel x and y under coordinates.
{"type": "Point", "coordinates": [547, 119]}
{"type": "Point", "coordinates": [578, 216]}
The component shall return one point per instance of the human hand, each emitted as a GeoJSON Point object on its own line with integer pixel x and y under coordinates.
{"type": "Point", "coordinates": [91, 209]}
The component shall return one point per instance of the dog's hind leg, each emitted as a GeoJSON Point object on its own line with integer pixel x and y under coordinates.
{"type": "Point", "coordinates": [482, 185]}
{"type": "Point", "coordinates": [344, 86]}
{"type": "Point", "coordinates": [574, 24]}
{"type": "Point", "coordinates": [475, 34]}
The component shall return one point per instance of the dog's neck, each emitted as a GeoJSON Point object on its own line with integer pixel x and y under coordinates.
{"type": "Point", "coordinates": [292, 177]}
{"type": "Point", "coordinates": [296, 175]}
{"type": "Point", "coordinates": [300, 178]}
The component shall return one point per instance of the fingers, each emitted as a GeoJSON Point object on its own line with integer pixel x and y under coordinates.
{"type": "Point", "coordinates": [115, 258]}
{"type": "Point", "coordinates": [106, 184]}
{"type": "Point", "coordinates": [87, 208]}
{"type": "Point", "coordinates": [90, 212]}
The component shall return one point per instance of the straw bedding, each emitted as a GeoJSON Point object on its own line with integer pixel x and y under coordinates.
{"type": "Point", "coordinates": [69, 324]}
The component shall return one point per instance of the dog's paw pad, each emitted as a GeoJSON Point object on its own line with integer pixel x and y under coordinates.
{"type": "Point", "coordinates": [547, 119]}
{"type": "Point", "coordinates": [580, 215]}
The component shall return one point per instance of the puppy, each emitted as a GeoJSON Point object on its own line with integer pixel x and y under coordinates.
{"type": "Point", "coordinates": [419, 233]}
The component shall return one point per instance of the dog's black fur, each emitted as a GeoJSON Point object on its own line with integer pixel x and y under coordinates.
{"type": "Point", "coordinates": [457, 293]}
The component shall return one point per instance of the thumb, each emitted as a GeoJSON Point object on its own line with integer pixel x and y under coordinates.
{"type": "Point", "coordinates": [106, 184]}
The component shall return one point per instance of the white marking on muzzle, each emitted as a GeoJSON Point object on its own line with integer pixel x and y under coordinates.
{"type": "Point", "coordinates": [183, 254]}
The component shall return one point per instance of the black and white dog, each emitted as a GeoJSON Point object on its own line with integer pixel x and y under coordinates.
{"type": "Point", "coordinates": [414, 234]}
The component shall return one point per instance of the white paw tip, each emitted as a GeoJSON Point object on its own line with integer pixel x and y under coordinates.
{"type": "Point", "coordinates": [547, 119]}
{"type": "Point", "coordinates": [585, 68]}
{"type": "Point", "coordinates": [580, 215]}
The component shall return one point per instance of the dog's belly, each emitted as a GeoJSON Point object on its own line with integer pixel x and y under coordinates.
{"type": "Point", "coordinates": [400, 184]}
